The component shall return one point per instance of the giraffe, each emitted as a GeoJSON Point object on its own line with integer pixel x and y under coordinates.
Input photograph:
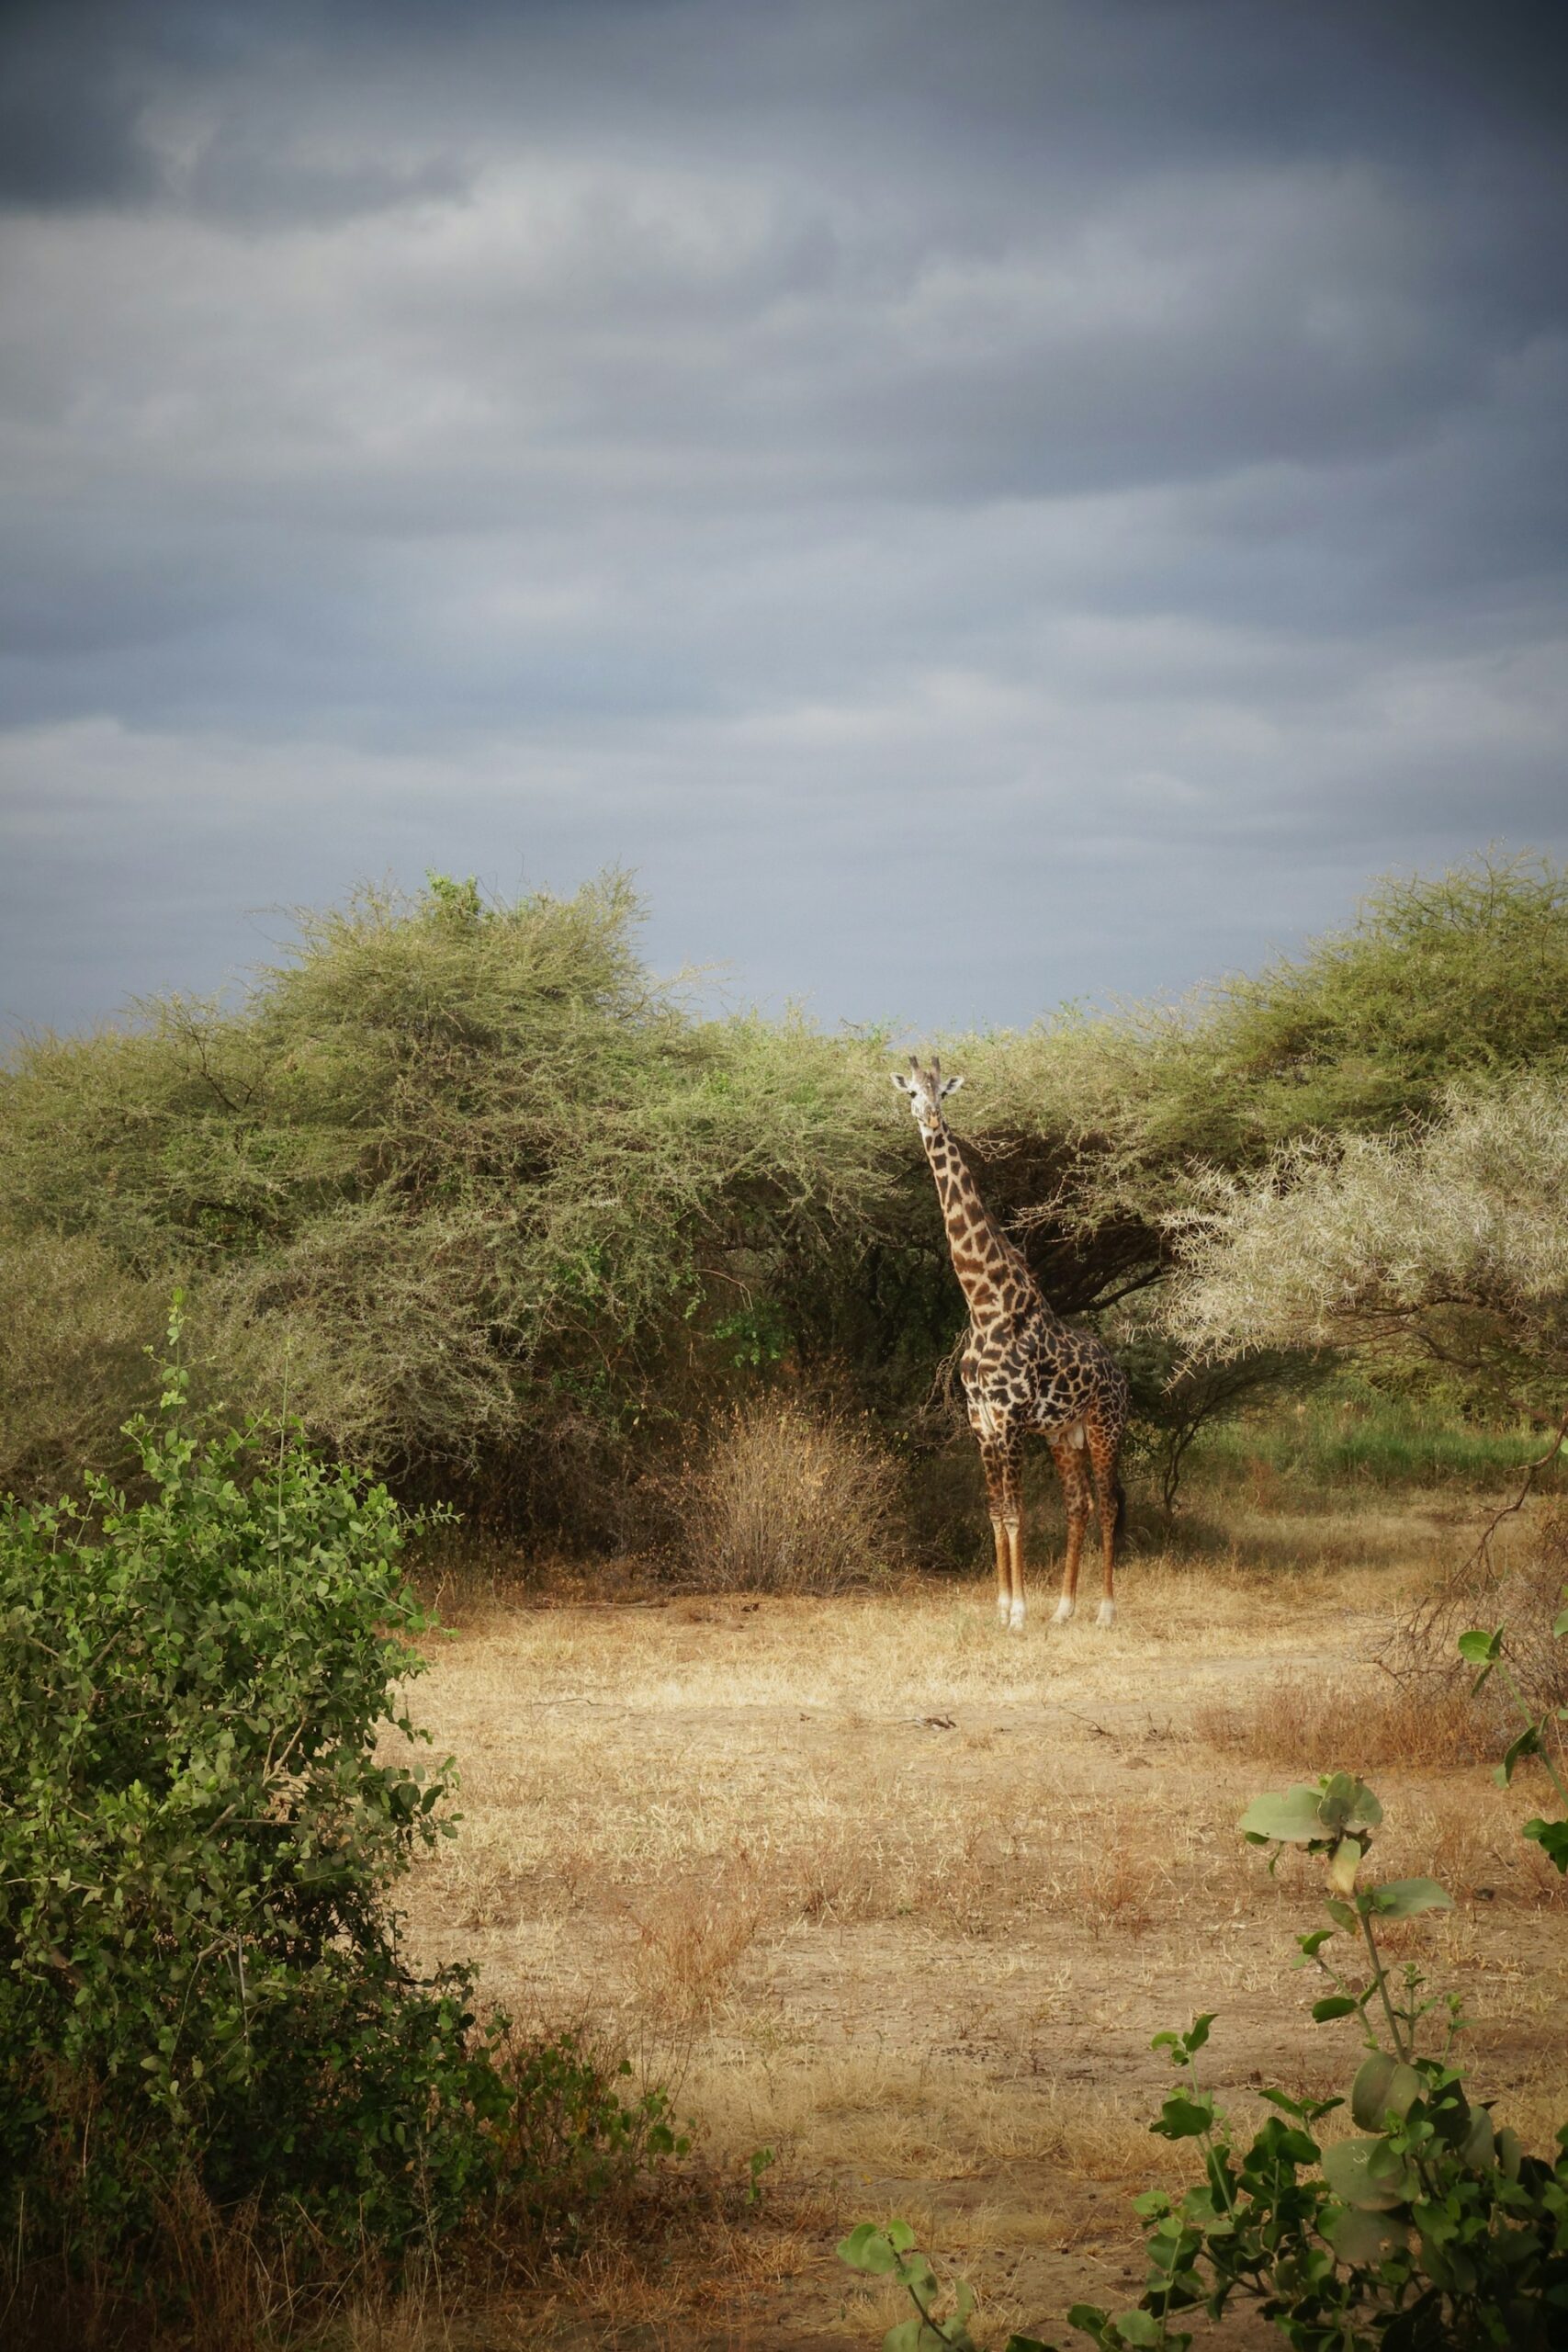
{"type": "Point", "coordinates": [1024, 1369]}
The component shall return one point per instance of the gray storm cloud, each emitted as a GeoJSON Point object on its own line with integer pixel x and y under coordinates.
{"type": "Point", "coordinates": [977, 505]}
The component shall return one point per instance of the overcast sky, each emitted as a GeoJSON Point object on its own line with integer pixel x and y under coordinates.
{"type": "Point", "coordinates": [977, 502]}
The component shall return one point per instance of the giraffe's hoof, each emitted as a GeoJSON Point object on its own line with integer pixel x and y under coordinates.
{"type": "Point", "coordinates": [1004, 1612]}
{"type": "Point", "coordinates": [1015, 1618]}
{"type": "Point", "coordinates": [1064, 1611]}
{"type": "Point", "coordinates": [1107, 1613]}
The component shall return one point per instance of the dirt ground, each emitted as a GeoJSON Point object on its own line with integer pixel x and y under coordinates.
{"type": "Point", "coordinates": [904, 1898]}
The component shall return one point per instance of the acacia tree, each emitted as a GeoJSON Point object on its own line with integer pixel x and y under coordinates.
{"type": "Point", "coordinates": [1448, 1244]}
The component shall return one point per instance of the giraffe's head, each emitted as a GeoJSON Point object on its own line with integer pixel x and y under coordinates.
{"type": "Point", "coordinates": [926, 1090]}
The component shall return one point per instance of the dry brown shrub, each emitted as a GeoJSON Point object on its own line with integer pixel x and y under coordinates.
{"type": "Point", "coordinates": [1516, 1578]}
{"type": "Point", "coordinates": [792, 1500]}
{"type": "Point", "coordinates": [229, 2275]}
{"type": "Point", "coordinates": [1340, 1723]}
{"type": "Point", "coordinates": [400, 2321]}
{"type": "Point", "coordinates": [1468, 1838]}
{"type": "Point", "coordinates": [1514, 1575]}
{"type": "Point", "coordinates": [1116, 1888]}
{"type": "Point", "coordinates": [1529, 1598]}
{"type": "Point", "coordinates": [689, 1948]}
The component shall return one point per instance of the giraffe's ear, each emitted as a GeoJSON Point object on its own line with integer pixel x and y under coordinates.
{"type": "Point", "coordinates": [901, 1082]}
{"type": "Point", "coordinates": [949, 1086]}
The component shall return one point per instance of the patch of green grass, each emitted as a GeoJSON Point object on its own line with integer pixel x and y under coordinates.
{"type": "Point", "coordinates": [1373, 1441]}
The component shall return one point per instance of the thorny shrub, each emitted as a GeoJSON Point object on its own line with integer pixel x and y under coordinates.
{"type": "Point", "coordinates": [1526, 1601]}
{"type": "Point", "coordinates": [1446, 1243]}
{"type": "Point", "coordinates": [1420, 1654]}
{"type": "Point", "coordinates": [73, 1365]}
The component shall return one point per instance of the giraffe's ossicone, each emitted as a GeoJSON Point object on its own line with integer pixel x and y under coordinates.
{"type": "Point", "coordinates": [1024, 1369]}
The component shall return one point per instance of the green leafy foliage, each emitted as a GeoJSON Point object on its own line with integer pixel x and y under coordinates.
{"type": "Point", "coordinates": [460, 1178]}
{"type": "Point", "coordinates": [1337, 1807]}
{"type": "Point", "coordinates": [1434, 2231]}
{"type": "Point", "coordinates": [1551, 1836]}
{"type": "Point", "coordinates": [211, 1785]}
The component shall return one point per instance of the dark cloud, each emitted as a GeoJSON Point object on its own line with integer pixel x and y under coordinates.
{"type": "Point", "coordinates": [71, 113]}
{"type": "Point", "coordinates": [1079, 484]}
{"type": "Point", "coordinates": [246, 177]}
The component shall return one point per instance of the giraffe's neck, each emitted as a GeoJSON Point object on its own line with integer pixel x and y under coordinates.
{"type": "Point", "coordinates": [997, 1281]}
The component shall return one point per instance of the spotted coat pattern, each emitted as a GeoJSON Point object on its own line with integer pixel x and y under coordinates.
{"type": "Point", "coordinates": [1024, 1369]}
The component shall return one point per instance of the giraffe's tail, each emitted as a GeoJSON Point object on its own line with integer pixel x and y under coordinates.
{"type": "Point", "coordinates": [1119, 1509]}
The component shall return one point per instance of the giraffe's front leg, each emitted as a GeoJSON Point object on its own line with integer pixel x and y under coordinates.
{"type": "Point", "coordinates": [1013, 1527]}
{"type": "Point", "coordinates": [995, 1477]}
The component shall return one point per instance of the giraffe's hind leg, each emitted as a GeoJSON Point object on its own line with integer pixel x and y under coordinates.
{"type": "Point", "coordinates": [1104, 1442]}
{"type": "Point", "coordinates": [1066, 1453]}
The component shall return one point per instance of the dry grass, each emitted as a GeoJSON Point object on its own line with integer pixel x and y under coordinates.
{"type": "Point", "coordinates": [1420, 1708]}
{"type": "Point", "coordinates": [905, 1900]}
{"type": "Point", "coordinates": [886, 2113]}
{"type": "Point", "coordinates": [789, 1499]}
{"type": "Point", "coordinates": [1517, 1575]}
{"type": "Point", "coordinates": [1363, 1719]}
{"type": "Point", "coordinates": [226, 2282]}
{"type": "Point", "coordinates": [687, 1950]}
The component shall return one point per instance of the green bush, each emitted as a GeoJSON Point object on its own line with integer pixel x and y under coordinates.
{"type": "Point", "coordinates": [197, 1839]}
{"type": "Point", "coordinates": [208, 1794]}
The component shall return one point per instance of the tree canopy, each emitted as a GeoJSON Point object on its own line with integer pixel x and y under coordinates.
{"type": "Point", "coordinates": [493, 1208]}
{"type": "Point", "coordinates": [1448, 1243]}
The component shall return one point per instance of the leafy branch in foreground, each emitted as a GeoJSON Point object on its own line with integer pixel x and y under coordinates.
{"type": "Point", "coordinates": [1489, 1652]}
{"type": "Point", "coordinates": [1430, 2231]}
{"type": "Point", "coordinates": [893, 2254]}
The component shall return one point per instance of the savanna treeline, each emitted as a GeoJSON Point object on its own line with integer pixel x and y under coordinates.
{"type": "Point", "coordinates": [499, 1214]}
